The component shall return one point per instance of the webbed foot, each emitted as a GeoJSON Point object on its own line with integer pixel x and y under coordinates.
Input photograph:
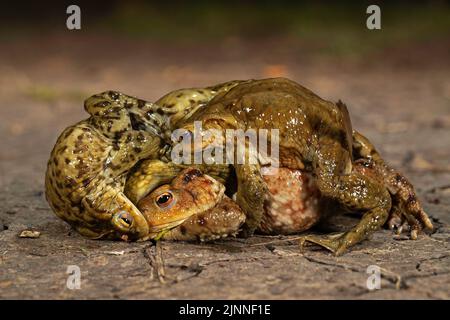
{"type": "Point", "coordinates": [333, 242]}
{"type": "Point", "coordinates": [407, 213]}
{"type": "Point", "coordinates": [407, 219]}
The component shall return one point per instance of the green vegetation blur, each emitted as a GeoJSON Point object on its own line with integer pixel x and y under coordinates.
{"type": "Point", "coordinates": [330, 27]}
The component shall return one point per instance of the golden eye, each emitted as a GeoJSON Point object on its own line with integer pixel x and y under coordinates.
{"type": "Point", "coordinates": [113, 95]}
{"type": "Point", "coordinates": [123, 220]}
{"type": "Point", "coordinates": [165, 199]}
{"type": "Point", "coordinates": [126, 219]}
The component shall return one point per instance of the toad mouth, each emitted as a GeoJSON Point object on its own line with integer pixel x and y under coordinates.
{"type": "Point", "coordinates": [166, 226]}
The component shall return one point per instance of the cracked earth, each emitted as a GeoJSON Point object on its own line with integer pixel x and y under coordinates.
{"type": "Point", "coordinates": [403, 107]}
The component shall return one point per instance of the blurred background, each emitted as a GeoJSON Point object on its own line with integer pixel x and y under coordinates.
{"type": "Point", "coordinates": [394, 80]}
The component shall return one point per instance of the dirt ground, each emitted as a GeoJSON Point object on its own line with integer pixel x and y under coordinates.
{"type": "Point", "coordinates": [400, 99]}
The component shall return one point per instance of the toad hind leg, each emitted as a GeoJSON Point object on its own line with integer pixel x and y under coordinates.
{"type": "Point", "coordinates": [338, 243]}
{"type": "Point", "coordinates": [406, 208]}
{"type": "Point", "coordinates": [354, 191]}
{"type": "Point", "coordinates": [375, 205]}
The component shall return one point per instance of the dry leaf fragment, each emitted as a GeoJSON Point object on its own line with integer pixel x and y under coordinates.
{"type": "Point", "coordinates": [29, 234]}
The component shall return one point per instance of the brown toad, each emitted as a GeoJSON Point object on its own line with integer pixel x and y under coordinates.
{"type": "Point", "coordinates": [316, 136]}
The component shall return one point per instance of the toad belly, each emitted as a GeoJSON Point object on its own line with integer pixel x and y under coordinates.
{"type": "Point", "coordinates": [292, 204]}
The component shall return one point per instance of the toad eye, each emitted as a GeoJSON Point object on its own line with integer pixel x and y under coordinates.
{"type": "Point", "coordinates": [126, 219]}
{"type": "Point", "coordinates": [123, 220]}
{"type": "Point", "coordinates": [114, 95]}
{"type": "Point", "coordinates": [165, 199]}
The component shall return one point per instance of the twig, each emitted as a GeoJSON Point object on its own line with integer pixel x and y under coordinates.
{"type": "Point", "coordinates": [275, 241]}
{"type": "Point", "coordinates": [155, 256]}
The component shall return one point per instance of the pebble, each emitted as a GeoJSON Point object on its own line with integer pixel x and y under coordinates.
{"type": "Point", "coordinates": [29, 234]}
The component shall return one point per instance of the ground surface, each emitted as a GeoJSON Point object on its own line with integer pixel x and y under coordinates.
{"type": "Point", "coordinates": [399, 99]}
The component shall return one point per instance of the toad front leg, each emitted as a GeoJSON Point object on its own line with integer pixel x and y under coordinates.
{"type": "Point", "coordinates": [251, 188]}
{"type": "Point", "coordinates": [251, 194]}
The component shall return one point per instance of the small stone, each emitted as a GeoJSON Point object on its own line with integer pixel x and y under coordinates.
{"type": "Point", "coordinates": [29, 234]}
{"type": "Point", "coordinates": [284, 253]}
{"type": "Point", "coordinates": [116, 253]}
{"type": "Point", "coordinates": [400, 237]}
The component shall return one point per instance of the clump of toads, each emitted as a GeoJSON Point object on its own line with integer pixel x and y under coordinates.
{"type": "Point", "coordinates": [111, 176]}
